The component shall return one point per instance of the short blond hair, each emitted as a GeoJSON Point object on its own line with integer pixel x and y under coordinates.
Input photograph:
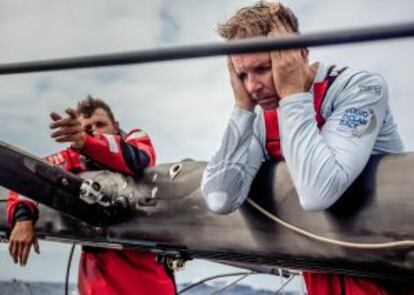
{"type": "Point", "coordinates": [256, 20]}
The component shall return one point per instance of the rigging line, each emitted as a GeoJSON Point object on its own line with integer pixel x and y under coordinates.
{"type": "Point", "coordinates": [72, 249]}
{"type": "Point", "coordinates": [230, 284]}
{"type": "Point", "coordinates": [284, 285]}
{"type": "Point", "coordinates": [403, 30]}
{"type": "Point", "coordinates": [26, 286]}
{"type": "Point", "coordinates": [403, 243]}
{"type": "Point", "coordinates": [233, 274]}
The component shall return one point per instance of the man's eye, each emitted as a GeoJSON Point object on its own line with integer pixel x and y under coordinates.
{"type": "Point", "coordinates": [263, 69]}
{"type": "Point", "coordinates": [100, 124]}
{"type": "Point", "coordinates": [242, 76]}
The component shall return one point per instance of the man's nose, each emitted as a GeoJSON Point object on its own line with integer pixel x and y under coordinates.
{"type": "Point", "coordinates": [94, 129]}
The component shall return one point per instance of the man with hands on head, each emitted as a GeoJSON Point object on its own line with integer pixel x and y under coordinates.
{"type": "Point", "coordinates": [324, 121]}
{"type": "Point", "coordinates": [96, 143]}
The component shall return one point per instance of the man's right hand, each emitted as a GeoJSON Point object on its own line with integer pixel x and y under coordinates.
{"type": "Point", "coordinates": [241, 96]}
{"type": "Point", "coordinates": [22, 237]}
{"type": "Point", "coordinates": [68, 129]}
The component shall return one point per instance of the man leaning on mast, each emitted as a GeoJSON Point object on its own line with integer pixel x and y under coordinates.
{"type": "Point", "coordinates": [97, 143]}
{"type": "Point", "coordinates": [324, 121]}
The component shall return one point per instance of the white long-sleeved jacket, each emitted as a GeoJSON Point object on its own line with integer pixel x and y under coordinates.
{"type": "Point", "coordinates": [323, 163]}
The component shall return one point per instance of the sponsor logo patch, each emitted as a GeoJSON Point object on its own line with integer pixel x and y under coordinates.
{"type": "Point", "coordinates": [374, 89]}
{"type": "Point", "coordinates": [357, 122]}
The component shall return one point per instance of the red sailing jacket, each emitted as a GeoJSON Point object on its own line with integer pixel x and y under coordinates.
{"type": "Point", "coordinates": [101, 271]}
{"type": "Point", "coordinates": [319, 283]}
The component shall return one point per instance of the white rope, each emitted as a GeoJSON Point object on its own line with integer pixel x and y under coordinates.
{"type": "Point", "coordinates": [403, 243]}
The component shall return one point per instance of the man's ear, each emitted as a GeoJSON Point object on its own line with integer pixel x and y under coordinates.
{"type": "Point", "coordinates": [116, 123]}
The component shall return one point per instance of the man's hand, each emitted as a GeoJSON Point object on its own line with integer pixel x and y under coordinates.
{"type": "Point", "coordinates": [22, 238]}
{"type": "Point", "coordinates": [69, 129]}
{"type": "Point", "coordinates": [291, 72]}
{"type": "Point", "coordinates": [241, 96]}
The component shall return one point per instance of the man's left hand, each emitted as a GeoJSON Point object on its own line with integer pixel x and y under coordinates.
{"type": "Point", "coordinates": [291, 72]}
{"type": "Point", "coordinates": [68, 129]}
{"type": "Point", "coordinates": [22, 238]}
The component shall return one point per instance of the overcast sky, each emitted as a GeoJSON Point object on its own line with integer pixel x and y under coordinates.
{"type": "Point", "coordinates": [183, 105]}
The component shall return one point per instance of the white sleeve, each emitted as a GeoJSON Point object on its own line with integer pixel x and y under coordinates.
{"type": "Point", "coordinates": [228, 176]}
{"type": "Point", "coordinates": [323, 164]}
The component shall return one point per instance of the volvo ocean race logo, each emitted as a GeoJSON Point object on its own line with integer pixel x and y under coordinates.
{"type": "Point", "coordinates": [357, 122]}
